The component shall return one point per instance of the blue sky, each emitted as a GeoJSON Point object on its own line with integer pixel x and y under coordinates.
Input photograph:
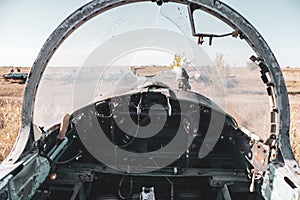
{"type": "Point", "coordinates": [25, 26]}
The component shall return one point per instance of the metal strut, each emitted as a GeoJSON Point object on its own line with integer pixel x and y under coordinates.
{"type": "Point", "coordinates": [201, 36]}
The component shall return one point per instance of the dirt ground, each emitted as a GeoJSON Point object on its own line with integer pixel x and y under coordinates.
{"type": "Point", "coordinates": [239, 95]}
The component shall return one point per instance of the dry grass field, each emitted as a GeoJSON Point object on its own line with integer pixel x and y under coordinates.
{"type": "Point", "coordinates": [292, 77]}
{"type": "Point", "coordinates": [11, 93]}
{"type": "Point", "coordinates": [11, 98]}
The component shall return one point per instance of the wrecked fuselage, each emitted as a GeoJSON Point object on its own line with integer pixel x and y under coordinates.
{"type": "Point", "coordinates": [108, 149]}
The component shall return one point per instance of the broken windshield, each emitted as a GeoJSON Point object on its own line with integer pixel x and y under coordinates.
{"type": "Point", "coordinates": [125, 47]}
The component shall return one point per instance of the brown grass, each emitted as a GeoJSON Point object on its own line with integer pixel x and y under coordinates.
{"type": "Point", "coordinates": [10, 113]}
{"type": "Point", "coordinates": [295, 130]}
{"type": "Point", "coordinates": [11, 93]}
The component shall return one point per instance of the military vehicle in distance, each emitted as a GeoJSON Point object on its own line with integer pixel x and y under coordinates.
{"type": "Point", "coordinates": [12, 75]}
